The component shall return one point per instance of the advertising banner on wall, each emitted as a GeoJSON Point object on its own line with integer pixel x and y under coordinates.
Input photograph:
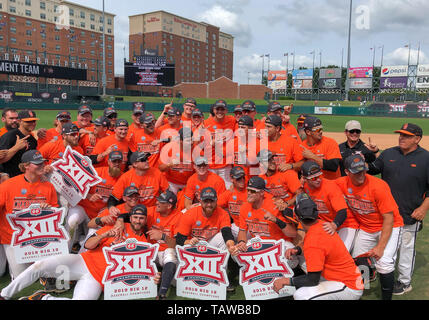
{"type": "Point", "coordinates": [277, 85]}
{"type": "Point", "coordinates": [394, 71]}
{"type": "Point", "coordinates": [302, 84]}
{"type": "Point", "coordinates": [423, 70]}
{"type": "Point", "coordinates": [422, 82]}
{"type": "Point", "coordinates": [330, 83]}
{"type": "Point", "coordinates": [276, 75]}
{"type": "Point", "coordinates": [304, 74]}
{"type": "Point", "coordinates": [330, 73]}
{"type": "Point", "coordinates": [361, 72]}
{"type": "Point", "coordinates": [363, 83]}
{"type": "Point", "coordinates": [393, 83]}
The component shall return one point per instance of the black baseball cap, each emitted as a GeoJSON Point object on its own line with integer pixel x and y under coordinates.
{"type": "Point", "coordinates": [311, 169]}
{"type": "Point", "coordinates": [110, 111]}
{"type": "Point", "coordinates": [139, 209]}
{"type": "Point", "coordinates": [274, 106]}
{"type": "Point", "coordinates": [101, 121]}
{"type": "Point", "coordinates": [121, 123]}
{"type": "Point", "coordinates": [248, 105]}
{"type": "Point", "coordinates": [410, 129]}
{"type": "Point", "coordinates": [311, 122]}
{"type": "Point", "coordinates": [220, 103]}
{"type": "Point", "coordinates": [129, 191]}
{"type": "Point", "coordinates": [191, 101]}
{"type": "Point", "coordinates": [138, 108]}
{"type": "Point", "coordinates": [238, 108]}
{"type": "Point", "coordinates": [146, 117]}
{"type": "Point", "coordinates": [63, 115]}
{"type": "Point", "coordinates": [33, 156]}
{"type": "Point", "coordinates": [208, 194]}
{"type": "Point", "coordinates": [116, 155]}
{"type": "Point", "coordinates": [237, 172]}
{"type": "Point", "coordinates": [139, 156]}
{"type": "Point", "coordinates": [84, 109]}
{"type": "Point", "coordinates": [355, 164]}
{"type": "Point", "coordinates": [305, 208]}
{"type": "Point", "coordinates": [256, 183]}
{"type": "Point", "coordinates": [274, 120]}
{"type": "Point", "coordinates": [174, 112]}
{"type": "Point", "coordinates": [265, 155]}
{"type": "Point", "coordinates": [27, 115]}
{"type": "Point", "coordinates": [245, 121]}
{"type": "Point", "coordinates": [69, 127]}
{"type": "Point", "coordinates": [197, 112]}
{"type": "Point", "coordinates": [167, 197]}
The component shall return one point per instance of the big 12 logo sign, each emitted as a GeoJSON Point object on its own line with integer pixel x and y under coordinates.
{"type": "Point", "coordinates": [38, 233]}
{"type": "Point", "coordinates": [130, 270]}
{"type": "Point", "coordinates": [73, 176]}
{"type": "Point", "coordinates": [201, 273]}
{"type": "Point", "coordinates": [263, 263]}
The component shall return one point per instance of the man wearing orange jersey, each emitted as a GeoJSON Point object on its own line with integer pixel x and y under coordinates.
{"type": "Point", "coordinates": [111, 114]}
{"type": "Point", "coordinates": [138, 110]}
{"type": "Point", "coordinates": [19, 193]}
{"type": "Point", "coordinates": [331, 272]}
{"type": "Point", "coordinates": [248, 108]}
{"type": "Point", "coordinates": [288, 129]}
{"type": "Point", "coordinates": [88, 141]}
{"type": "Point", "coordinates": [331, 205]}
{"type": "Point", "coordinates": [54, 133]}
{"type": "Point", "coordinates": [189, 106]}
{"type": "Point", "coordinates": [86, 268]}
{"type": "Point", "coordinates": [174, 123]}
{"type": "Point", "coordinates": [84, 119]}
{"type": "Point", "coordinates": [324, 150]}
{"type": "Point", "coordinates": [380, 224]}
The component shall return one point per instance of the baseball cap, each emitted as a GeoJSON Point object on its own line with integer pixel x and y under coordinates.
{"type": "Point", "coordinates": [200, 160]}
{"type": "Point", "coordinates": [146, 117]}
{"type": "Point", "coordinates": [116, 155]}
{"type": "Point", "coordinates": [185, 132]}
{"type": "Point", "coordinates": [174, 112]}
{"type": "Point", "coordinates": [238, 108]}
{"type": "Point", "coordinates": [311, 169]}
{"type": "Point", "coordinates": [237, 172]}
{"type": "Point", "coordinates": [121, 123]}
{"type": "Point", "coordinates": [109, 111]}
{"type": "Point", "coordinates": [410, 129]}
{"type": "Point", "coordinates": [300, 120]}
{"type": "Point", "coordinates": [248, 105]}
{"type": "Point", "coordinates": [63, 115]}
{"type": "Point", "coordinates": [69, 127]}
{"type": "Point", "coordinates": [138, 108]}
{"type": "Point", "coordinates": [129, 191]}
{"type": "Point", "coordinates": [274, 106]}
{"type": "Point", "coordinates": [220, 103]}
{"type": "Point", "coordinates": [27, 115]}
{"type": "Point", "coordinates": [311, 122]}
{"type": "Point", "coordinates": [264, 155]}
{"type": "Point", "coordinates": [208, 194]}
{"type": "Point", "coordinates": [34, 156]}
{"type": "Point", "coordinates": [305, 208]}
{"type": "Point", "coordinates": [191, 101]}
{"type": "Point", "coordinates": [274, 120]}
{"type": "Point", "coordinates": [139, 156]}
{"type": "Point", "coordinates": [245, 121]}
{"type": "Point", "coordinates": [84, 109]}
{"type": "Point", "coordinates": [102, 121]}
{"type": "Point", "coordinates": [167, 197]}
{"type": "Point", "coordinates": [139, 209]}
{"type": "Point", "coordinates": [197, 112]}
{"type": "Point", "coordinates": [355, 163]}
{"type": "Point", "coordinates": [353, 125]}
{"type": "Point", "coordinates": [256, 183]}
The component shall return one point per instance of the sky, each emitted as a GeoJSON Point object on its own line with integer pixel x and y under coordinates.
{"type": "Point", "coordinates": [277, 27]}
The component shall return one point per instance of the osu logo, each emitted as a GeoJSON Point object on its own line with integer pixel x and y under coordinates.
{"type": "Point", "coordinates": [202, 267]}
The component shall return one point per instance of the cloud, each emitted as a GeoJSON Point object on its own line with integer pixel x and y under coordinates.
{"type": "Point", "coordinates": [121, 40]}
{"type": "Point", "coordinates": [229, 22]}
{"type": "Point", "coordinates": [399, 56]}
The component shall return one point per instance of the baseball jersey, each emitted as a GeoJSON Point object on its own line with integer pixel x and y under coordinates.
{"type": "Point", "coordinates": [179, 173]}
{"type": "Point", "coordinates": [53, 151]}
{"type": "Point", "coordinates": [252, 220]}
{"type": "Point", "coordinates": [142, 142]}
{"type": "Point", "coordinates": [327, 254]}
{"type": "Point", "coordinates": [194, 224]}
{"type": "Point", "coordinates": [150, 185]}
{"type": "Point", "coordinates": [327, 148]}
{"type": "Point", "coordinates": [329, 200]}
{"type": "Point", "coordinates": [94, 259]}
{"type": "Point", "coordinates": [285, 150]}
{"type": "Point", "coordinates": [104, 188]}
{"type": "Point", "coordinates": [245, 152]}
{"type": "Point", "coordinates": [17, 194]}
{"type": "Point", "coordinates": [87, 147]}
{"type": "Point", "coordinates": [104, 143]}
{"type": "Point", "coordinates": [369, 202]}
{"type": "Point", "coordinates": [88, 128]}
{"type": "Point", "coordinates": [290, 130]}
{"type": "Point", "coordinates": [194, 186]}
{"type": "Point", "coordinates": [232, 202]}
{"type": "Point", "coordinates": [3, 131]}
{"type": "Point", "coordinates": [133, 128]}
{"type": "Point", "coordinates": [166, 224]}
{"type": "Point", "coordinates": [282, 185]}
{"type": "Point", "coordinates": [51, 134]}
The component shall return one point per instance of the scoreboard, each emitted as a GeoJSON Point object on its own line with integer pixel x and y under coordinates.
{"type": "Point", "coordinates": [149, 70]}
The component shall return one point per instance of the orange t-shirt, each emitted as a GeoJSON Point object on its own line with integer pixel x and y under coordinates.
{"type": "Point", "coordinates": [329, 200]}
{"type": "Point", "coordinates": [166, 224]}
{"type": "Point", "coordinates": [86, 146]}
{"type": "Point", "coordinates": [180, 172]}
{"type": "Point", "coordinates": [252, 220]}
{"type": "Point", "coordinates": [282, 185]}
{"type": "Point", "coordinates": [3, 131]}
{"type": "Point", "coordinates": [327, 254]}
{"type": "Point", "coordinates": [232, 202]}
{"type": "Point", "coordinates": [104, 143]}
{"type": "Point", "coordinates": [94, 259]}
{"type": "Point", "coordinates": [285, 150]}
{"type": "Point", "coordinates": [369, 202]}
{"type": "Point", "coordinates": [194, 186]}
{"type": "Point", "coordinates": [104, 188]}
{"type": "Point", "coordinates": [194, 224]}
{"type": "Point", "coordinates": [246, 150]}
{"type": "Point", "coordinates": [51, 134]}
{"type": "Point", "coordinates": [150, 185]}
{"type": "Point", "coordinates": [88, 128]}
{"type": "Point", "coordinates": [326, 149]}
{"type": "Point", "coordinates": [17, 194]}
{"type": "Point", "coordinates": [53, 151]}
{"type": "Point", "coordinates": [290, 130]}
{"type": "Point", "coordinates": [142, 142]}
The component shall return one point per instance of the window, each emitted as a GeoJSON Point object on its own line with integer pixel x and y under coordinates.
{"type": "Point", "coordinates": [57, 37]}
{"type": "Point", "coordinates": [42, 5]}
{"type": "Point", "coordinates": [28, 32]}
{"type": "Point", "coordinates": [92, 17]}
{"type": "Point", "coordinates": [12, 0]}
{"type": "Point", "coordinates": [12, 19]}
{"type": "Point", "coordinates": [71, 22]}
{"type": "Point", "coordinates": [58, 47]}
{"type": "Point", "coordinates": [28, 13]}
{"type": "Point", "coordinates": [29, 43]}
{"type": "Point", "coordinates": [109, 30]}
{"type": "Point", "coordinates": [28, 2]}
{"type": "Point", "coordinates": [82, 14]}
{"type": "Point", "coordinates": [43, 44]}
{"type": "Point", "coordinates": [12, 9]}
{"type": "Point", "coordinates": [109, 21]}
{"type": "Point", "coordinates": [92, 27]}
{"type": "Point", "coordinates": [13, 29]}
{"type": "Point", "coordinates": [43, 16]}
{"type": "Point", "coordinates": [43, 35]}
{"type": "Point", "coordinates": [71, 12]}
{"type": "Point", "coordinates": [82, 24]}
{"type": "Point", "coordinates": [13, 40]}
{"type": "Point", "coordinates": [28, 23]}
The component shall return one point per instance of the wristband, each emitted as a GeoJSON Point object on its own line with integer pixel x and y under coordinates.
{"type": "Point", "coordinates": [98, 221]}
{"type": "Point", "coordinates": [241, 241]}
{"type": "Point", "coordinates": [280, 223]}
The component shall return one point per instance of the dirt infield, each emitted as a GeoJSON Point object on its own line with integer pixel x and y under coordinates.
{"type": "Point", "coordinates": [383, 141]}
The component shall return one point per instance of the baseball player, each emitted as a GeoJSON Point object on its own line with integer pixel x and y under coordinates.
{"type": "Point", "coordinates": [54, 133]}
{"type": "Point", "coordinates": [300, 126]}
{"type": "Point", "coordinates": [197, 120]}
{"type": "Point", "coordinates": [86, 268]}
{"type": "Point", "coordinates": [138, 111]}
{"type": "Point", "coordinates": [188, 107]}
{"type": "Point", "coordinates": [88, 141]}
{"type": "Point", "coordinates": [19, 193]}
{"type": "Point", "coordinates": [174, 121]}
{"type": "Point", "coordinates": [9, 118]}
{"type": "Point", "coordinates": [248, 108]}
{"type": "Point", "coordinates": [380, 224]}
{"type": "Point", "coordinates": [331, 272]}
{"type": "Point", "coordinates": [111, 114]}
{"type": "Point", "coordinates": [238, 113]}
{"type": "Point", "coordinates": [84, 120]}
{"type": "Point", "coordinates": [283, 112]}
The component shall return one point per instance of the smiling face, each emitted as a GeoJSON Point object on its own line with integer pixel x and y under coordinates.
{"type": "Point", "coordinates": [138, 222]}
{"type": "Point", "coordinates": [219, 112]}
{"type": "Point", "coordinates": [353, 136]}
{"type": "Point", "coordinates": [357, 179]}
{"type": "Point", "coordinates": [121, 132]}
{"type": "Point", "coordinates": [84, 120]}
{"type": "Point", "coordinates": [208, 206]}
{"type": "Point", "coordinates": [408, 143]}
{"type": "Point", "coordinates": [10, 120]}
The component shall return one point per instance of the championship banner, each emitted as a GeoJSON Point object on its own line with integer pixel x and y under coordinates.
{"type": "Point", "coordinates": [201, 273]}
{"type": "Point", "coordinates": [304, 74]}
{"type": "Point", "coordinates": [302, 84]}
{"type": "Point", "coordinates": [330, 83]}
{"type": "Point", "coordinates": [73, 176]}
{"type": "Point", "coordinates": [363, 83]}
{"type": "Point", "coordinates": [262, 264]}
{"type": "Point", "coordinates": [38, 233]}
{"type": "Point", "coordinates": [362, 72]}
{"type": "Point", "coordinates": [422, 82]}
{"type": "Point", "coordinates": [402, 108]}
{"type": "Point", "coordinates": [330, 73]}
{"type": "Point", "coordinates": [394, 83]}
{"type": "Point", "coordinates": [394, 71]}
{"type": "Point", "coordinates": [130, 270]}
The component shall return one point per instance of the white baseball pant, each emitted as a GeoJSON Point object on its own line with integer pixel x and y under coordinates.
{"type": "Point", "coordinates": [407, 253]}
{"type": "Point", "coordinates": [3, 261]}
{"type": "Point", "coordinates": [348, 237]}
{"type": "Point", "coordinates": [75, 217]}
{"type": "Point", "coordinates": [72, 266]}
{"type": "Point", "coordinates": [365, 241]}
{"type": "Point", "coordinates": [14, 268]}
{"type": "Point", "coordinates": [327, 290]}
{"type": "Point", "coordinates": [166, 256]}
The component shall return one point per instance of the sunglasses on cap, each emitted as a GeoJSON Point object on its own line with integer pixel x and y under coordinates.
{"type": "Point", "coordinates": [355, 131]}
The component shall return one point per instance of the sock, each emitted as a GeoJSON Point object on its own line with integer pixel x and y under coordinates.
{"type": "Point", "coordinates": [387, 281]}
{"type": "Point", "coordinates": [167, 276]}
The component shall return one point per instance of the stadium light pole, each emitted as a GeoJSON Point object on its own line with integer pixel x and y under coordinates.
{"type": "Point", "coordinates": [287, 70]}
{"type": "Point", "coordinates": [382, 55]}
{"type": "Point", "coordinates": [104, 54]}
{"type": "Point", "coordinates": [349, 52]}
{"type": "Point", "coordinates": [262, 75]}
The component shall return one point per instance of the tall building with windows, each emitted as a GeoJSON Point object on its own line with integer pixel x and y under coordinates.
{"type": "Point", "coordinates": [56, 32]}
{"type": "Point", "coordinates": [200, 51]}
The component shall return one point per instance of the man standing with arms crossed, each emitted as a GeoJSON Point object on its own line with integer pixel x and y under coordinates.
{"type": "Point", "coordinates": [405, 168]}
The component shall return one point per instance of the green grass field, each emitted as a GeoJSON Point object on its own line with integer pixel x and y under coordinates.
{"type": "Point", "coordinates": [331, 123]}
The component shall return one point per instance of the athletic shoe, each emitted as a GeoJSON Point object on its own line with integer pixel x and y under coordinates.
{"type": "Point", "coordinates": [38, 295]}
{"type": "Point", "coordinates": [75, 248]}
{"type": "Point", "coordinates": [161, 297]}
{"type": "Point", "coordinates": [230, 288]}
{"type": "Point", "coordinates": [50, 285]}
{"type": "Point", "coordinates": [400, 288]}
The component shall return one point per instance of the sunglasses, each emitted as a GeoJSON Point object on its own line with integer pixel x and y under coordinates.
{"type": "Point", "coordinates": [355, 131]}
{"type": "Point", "coordinates": [313, 178]}
{"type": "Point", "coordinates": [251, 191]}
{"type": "Point", "coordinates": [73, 134]}
{"type": "Point", "coordinates": [317, 130]}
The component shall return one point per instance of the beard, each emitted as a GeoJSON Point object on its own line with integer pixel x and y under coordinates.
{"type": "Point", "coordinates": [114, 172]}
